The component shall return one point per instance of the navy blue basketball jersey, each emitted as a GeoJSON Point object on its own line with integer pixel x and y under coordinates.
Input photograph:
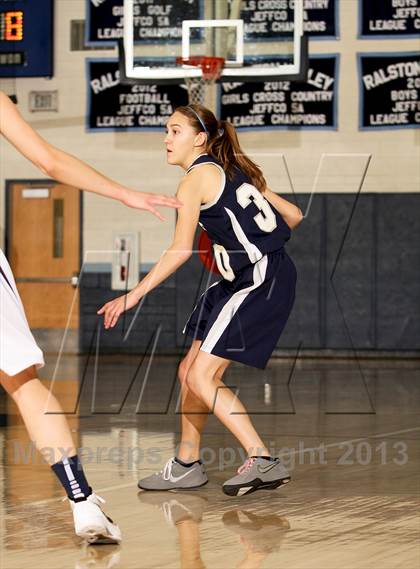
{"type": "Point", "coordinates": [242, 225]}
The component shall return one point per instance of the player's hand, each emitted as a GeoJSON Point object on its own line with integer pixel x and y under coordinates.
{"type": "Point", "coordinates": [148, 202]}
{"type": "Point", "coordinates": [113, 309]}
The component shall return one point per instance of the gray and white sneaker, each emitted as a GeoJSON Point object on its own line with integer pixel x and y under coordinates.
{"type": "Point", "coordinates": [256, 474]}
{"type": "Point", "coordinates": [174, 476]}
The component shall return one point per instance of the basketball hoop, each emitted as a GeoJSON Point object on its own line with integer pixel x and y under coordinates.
{"type": "Point", "coordinates": [211, 68]}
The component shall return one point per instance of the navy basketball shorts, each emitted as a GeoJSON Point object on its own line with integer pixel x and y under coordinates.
{"type": "Point", "coordinates": [243, 320]}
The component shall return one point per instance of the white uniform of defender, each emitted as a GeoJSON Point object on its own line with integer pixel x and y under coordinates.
{"type": "Point", "coordinates": [18, 349]}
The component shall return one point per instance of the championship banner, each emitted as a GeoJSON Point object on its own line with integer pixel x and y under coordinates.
{"type": "Point", "coordinates": [311, 104]}
{"type": "Point", "coordinates": [112, 107]}
{"type": "Point", "coordinates": [389, 18]}
{"type": "Point", "coordinates": [157, 21]}
{"type": "Point", "coordinates": [389, 90]}
{"type": "Point", "coordinates": [272, 20]}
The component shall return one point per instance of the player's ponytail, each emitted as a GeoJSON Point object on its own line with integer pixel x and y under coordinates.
{"type": "Point", "coordinates": [226, 149]}
{"type": "Point", "coordinates": [223, 144]}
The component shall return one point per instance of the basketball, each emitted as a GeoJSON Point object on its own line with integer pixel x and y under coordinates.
{"type": "Point", "coordinates": [205, 253]}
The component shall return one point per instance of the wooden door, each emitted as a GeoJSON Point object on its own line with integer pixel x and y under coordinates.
{"type": "Point", "coordinates": [44, 252]}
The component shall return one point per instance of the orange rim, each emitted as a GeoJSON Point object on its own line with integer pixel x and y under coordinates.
{"type": "Point", "coordinates": [211, 66]}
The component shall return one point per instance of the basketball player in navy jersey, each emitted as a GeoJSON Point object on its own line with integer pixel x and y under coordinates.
{"type": "Point", "coordinates": [20, 356]}
{"type": "Point", "coordinates": [242, 316]}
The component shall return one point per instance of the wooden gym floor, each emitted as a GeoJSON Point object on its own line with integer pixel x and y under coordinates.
{"type": "Point", "coordinates": [347, 429]}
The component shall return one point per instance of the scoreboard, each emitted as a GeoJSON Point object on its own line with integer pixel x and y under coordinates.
{"type": "Point", "coordinates": [26, 38]}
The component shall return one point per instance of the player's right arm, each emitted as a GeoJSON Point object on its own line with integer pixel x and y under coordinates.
{"type": "Point", "coordinates": [67, 169]}
{"type": "Point", "coordinates": [191, 191]}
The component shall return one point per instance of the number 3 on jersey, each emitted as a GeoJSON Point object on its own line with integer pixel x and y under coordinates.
{"type": "Point", "coordinates": [266, 220]}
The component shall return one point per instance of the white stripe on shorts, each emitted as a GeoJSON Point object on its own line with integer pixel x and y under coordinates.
{"type": "Point", "coordinates": [232, 305]}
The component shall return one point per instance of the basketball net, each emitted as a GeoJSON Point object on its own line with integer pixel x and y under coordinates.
{"type": "Point", "coordinates": [197, 87]}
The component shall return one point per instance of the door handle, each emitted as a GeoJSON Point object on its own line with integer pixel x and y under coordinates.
{"type": "Point", "coordinates": [73, 280]}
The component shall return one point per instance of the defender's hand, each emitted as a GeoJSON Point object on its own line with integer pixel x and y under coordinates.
{"type": "Point", "coordinates": [149, 202]}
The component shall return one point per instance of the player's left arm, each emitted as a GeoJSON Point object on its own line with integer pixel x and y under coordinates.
{"type": "Point", "coordinates": [291, 214]}
{"type": "Point", "coordinates": [189, 192]}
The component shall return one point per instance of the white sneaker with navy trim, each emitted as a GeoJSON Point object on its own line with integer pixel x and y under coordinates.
{"type": "Point", "coordinates": [91, 524]}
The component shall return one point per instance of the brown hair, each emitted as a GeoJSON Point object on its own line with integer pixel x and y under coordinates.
{"type": "Point", "coordinates": [223, 143]}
